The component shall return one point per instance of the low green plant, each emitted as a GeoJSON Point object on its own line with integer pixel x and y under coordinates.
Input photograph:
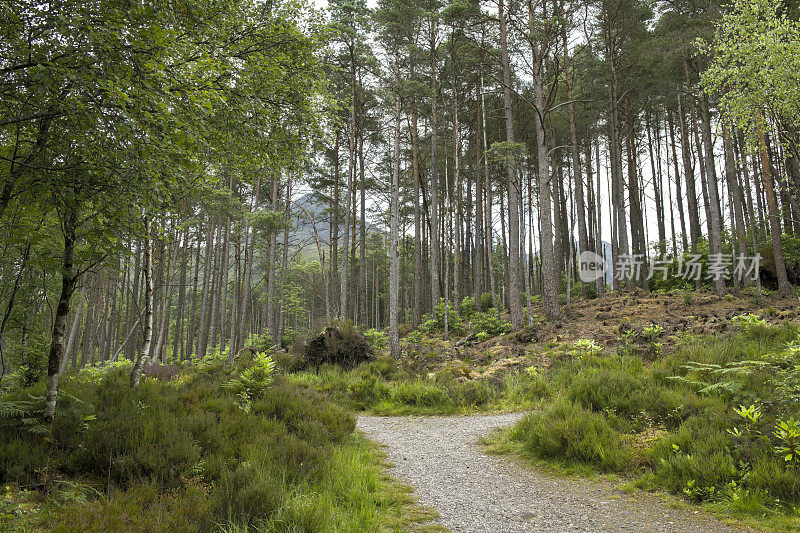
{"type": "Point", "coordinates": [750, 324]}
{"type": "Point", "coordinates": [567, 433]}
{"type": "Point", "coordinates": [254, 380]}
{"type": "Point", "coordinates": [376, 339]}
{"type": "Point", "coordinates": [586, 348]}
{"type": "Point", "coordinates": [435, 322]}
{"type": "Point", "coordinates": [489, 324]}
{"type": "Point", "coordinates": [420, 394]}
{"type": "Point", "coordinates": [788, 434]}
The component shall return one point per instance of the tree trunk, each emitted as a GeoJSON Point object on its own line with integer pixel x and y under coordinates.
{"type": "Point", "coordinates": [141, 361]}
{"type": "Point", "coordinates": [394, 213]}
{"type": "Point", "coordinates": [678, 194]}
{"type": "Point", "coordinates": [550, 271]}
{"type": "Point", "coordinates": [512, 182]}
{"type": "Point", "coordinates": [691, 192]}
{"type": "Point", "coordinates": [68, 279]}
{"type": "Point", "coordinates": [715, 222]}
{"type": "Point", "coordinates": [774, 218]}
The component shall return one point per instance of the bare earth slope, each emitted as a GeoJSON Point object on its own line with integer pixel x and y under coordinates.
{"type": "Point", "coordinates": [473, 492]}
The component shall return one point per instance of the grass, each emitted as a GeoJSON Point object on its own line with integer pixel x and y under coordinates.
{"type": "Point", "coordinates": [382, 388]}
{"type": "Point", "coordinates": [213, 448]}
{"type": "Point", "coordinates": [671, 425]}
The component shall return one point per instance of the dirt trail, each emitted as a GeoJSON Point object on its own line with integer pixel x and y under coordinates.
{"type": "Point", "coordinates": [473, 492]}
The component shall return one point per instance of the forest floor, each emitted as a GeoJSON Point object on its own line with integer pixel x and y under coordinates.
{"type": "Point", "coordinates": [605, 320]}
{"type": "Point", "coordinates": [442, 459]}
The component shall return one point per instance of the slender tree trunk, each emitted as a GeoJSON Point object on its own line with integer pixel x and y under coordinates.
{"type": "Point", "coordinates": [774, 218]}
{"type": "Point", "coordinates": [68, 280]}
{"type": "Point", "coordinates": [271, 325]}
{"type": "Point", "coordinates": [715, 222]}
{"type": "Point", "coordinates": [691, 192]}
{"type": "Point", "coordinates": [394, 213]}
{"type": "Point", "coordinates": [583, 239]}
{"type": "Point", "coordinates": [434, 172]}
{"type": "Point", "coordinates": [550, 271]}
{"type": "Point", "coordinates": [477, 263]}
{"type": "Point", "coordinates": [334, 224]}
{"type": "Point", "coordinates": [512, 182]}
{"type": "Point", "coordinates": [678, 194]}
{"type": "Point", "coordinates": [141, 361]}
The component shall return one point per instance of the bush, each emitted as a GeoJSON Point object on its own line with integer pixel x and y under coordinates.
{"type": "Point", "coordinates": [367, 390]}
{"type": "Point", "coordinates": [489, 324]}
{"type": "Point", "coordinates": [568, 433]}
{"type": "Point", "coordinates": [695, 461]}
{"type": "Point", "coordinates": [523, 388]}
{"type": "Point", "coordinates": [182, 454]}
{"type": "Point", "coordinates": [434, 322]}
{"type": "Point", "coordinates": [471, 393]}
{"type": "Point", "coordinates": [608, 390]}
{"type": "Point", "coordinates": [376, 339]}
{"type": "Point", "coordinates": [254, 380]}
{"type": "Point", "coordinates": [420, 394]}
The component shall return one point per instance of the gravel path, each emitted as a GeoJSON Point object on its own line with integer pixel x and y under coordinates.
{"type": "Point", "coordinates": [441, 458]}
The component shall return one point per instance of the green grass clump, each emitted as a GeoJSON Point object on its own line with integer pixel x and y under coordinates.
{"type": "Point", "coordinates": [570, 434]}
{"type": "Point", "coordinates": [420, 394]}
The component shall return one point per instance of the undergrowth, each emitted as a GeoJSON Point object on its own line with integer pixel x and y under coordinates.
{"type": "Point", "coordinates": [717, 421]}
{"type": "Point", "coordinates": [214, 448]}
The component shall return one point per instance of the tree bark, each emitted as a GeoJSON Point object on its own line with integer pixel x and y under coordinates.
{"type": "Point", "coordinates": [68, 280]}
{"type": "Point", "coordinates": [141, 361]}
{"type": "Point", "coordinates": [394, 211]}
{"type": "Point", "coordinates": [774, 218]}
{"type": "Point", "coordinates": [512, 182]}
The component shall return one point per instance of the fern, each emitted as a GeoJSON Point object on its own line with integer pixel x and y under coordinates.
{"type": "Point", "coordinates": [25, 414]}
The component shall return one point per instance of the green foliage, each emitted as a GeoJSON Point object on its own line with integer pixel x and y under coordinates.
{"type": "Point", "coordinates": [755, 67]}
{"type": "Point", "coordinates": [611, 390]}
{"type": "Point", "coordinates": [377, 339]}
{"type": "Point", "coordinates": [586, 347]}
{"type": "Point", "coordinates": [420, 394]}
{"type": "Point", "coordinates": [254, 380]}
{"type": "Point", "coordinates": [568, 433]}
{"type": "Point", "coordinates": [696, 460]}
{"type": "Point", "coordinates": [468, 307]}
{"type": "Point", "coordinates": [434, 322]}
{"type": "Point", "coordinates": [489, 324]}
{"type": "Point", "coordinates": [750, 324]}
{"type": "Point", "coordinates": [183, 449]}
{"type": "Point", "coordinates": [788, 434]}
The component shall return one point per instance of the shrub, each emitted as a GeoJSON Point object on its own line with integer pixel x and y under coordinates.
{"type": "Point", "coordinates": [522, 388]}
{"type": "Point", "coordinates": [568, 433]}
{"type": "Point", "coordinates": [468, 307]}
{"type": "Point", "coordinates": [775, 479]}
{"type": "Point", "coordinates": [376, 339]}
{"type": "Point", "coordinates": [253, 382]}
{"type": "Point", "coordinates": [695, 461]}
{"type": "Point", "coordinates": [489, 324]}
{"type": "Point", "coordinates": [471, 393]}
{"type": "Point", "coordinates": [419, 394]}
{"type": "Point", "coordinates": [434, 322]}
{"type": "Point", "coordinates": [608, 390]}
{"type": "Point", "coordinates": [180, 453]}
{"type": "Point", "coordinates": [586, 347]}
{"type": "Point", "coordinates": [367, 390]}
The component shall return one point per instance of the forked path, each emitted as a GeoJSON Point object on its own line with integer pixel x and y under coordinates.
{"type": "Point", "coordinates": [440, 457]}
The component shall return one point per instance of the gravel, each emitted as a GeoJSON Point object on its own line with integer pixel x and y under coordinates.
{"type": "Point", "coordinates": [441, 458]}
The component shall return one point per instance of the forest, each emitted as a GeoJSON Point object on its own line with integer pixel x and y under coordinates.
{"type": "Point", "coordinates": [193, 194]}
